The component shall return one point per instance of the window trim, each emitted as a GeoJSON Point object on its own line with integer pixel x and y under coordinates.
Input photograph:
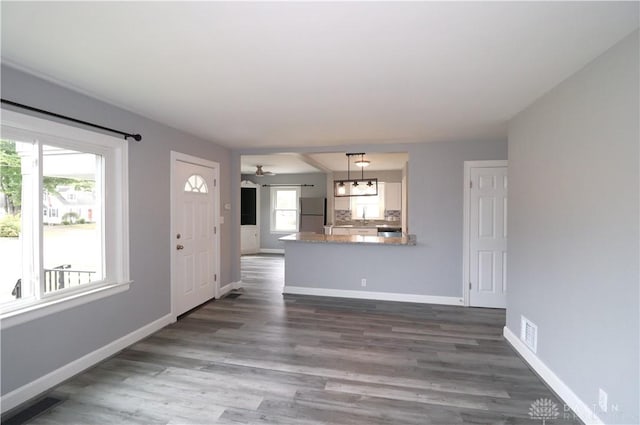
{"type": "Point", "coordinates": [273, 209]}
{"type": "Point", "coordinates": [116, 243]}
{"type": "Point", "coordinates": [54, 304]}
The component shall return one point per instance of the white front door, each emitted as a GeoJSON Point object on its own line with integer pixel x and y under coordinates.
{"type": "Point", "coordinates": [487, 236]}
{"type": "Point", "coordinates": [194, 277]}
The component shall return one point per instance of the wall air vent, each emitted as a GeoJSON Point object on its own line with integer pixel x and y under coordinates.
{"type": "Point", "coordinates": [529, 333]}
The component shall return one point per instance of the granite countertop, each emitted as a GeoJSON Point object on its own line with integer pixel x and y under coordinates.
{"type": "Point", "coordinates": [367, 224]}
{"type": "Point", "coordinates": [349, 239]}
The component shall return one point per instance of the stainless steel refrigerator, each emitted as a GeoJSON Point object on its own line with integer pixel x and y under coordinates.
{"type": "Point", "coordinates": [312, 214]}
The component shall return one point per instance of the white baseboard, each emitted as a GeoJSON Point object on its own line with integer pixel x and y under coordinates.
{"type": "Point", "coordinates": [271, 250]}
{"type": "Point", "coordinates": [367, 295]}
{"type": "Point", "coordinates": [229, 287]}
{"type": "Point", "coordinates": [48, 381]}
{"type": "Point", "coordinates": [580, 408]}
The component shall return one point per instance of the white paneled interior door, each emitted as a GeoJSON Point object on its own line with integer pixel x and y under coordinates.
{"type": "Point", "coordinates": [487, 237]}
{"type": "Point", "coordinates": [193, 242]}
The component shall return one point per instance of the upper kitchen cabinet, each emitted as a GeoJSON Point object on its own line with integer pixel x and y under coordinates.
{"type": "Point", "coordinates": [393, 196]}
{"type": "Point", "coordinates": [342, 204]}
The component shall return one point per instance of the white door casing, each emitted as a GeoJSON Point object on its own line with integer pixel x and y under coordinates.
{"type": "Point", "coordinates": [194, 232]}
{"type": "Point", "coordinates": [485, 230]}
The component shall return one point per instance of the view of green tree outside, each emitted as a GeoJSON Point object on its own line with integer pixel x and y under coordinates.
{"type": "Point", "coordinates": [10, 177]}
{"type": "Point", "coordinates": [71, 238]}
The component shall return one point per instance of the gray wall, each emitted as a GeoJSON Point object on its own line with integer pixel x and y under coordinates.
{"type": "Point", "coordinates": [436, 172]}
{"type": "Point", "coordinates": [393, 176]}
{"type": "Point", "coordinates": [573, 229]}
{"type": "Point", "coordinates": [270, 240]}
{"type": "Point", "coordinates": [390, 269]}
{"type": "Point", "coordinates": [34, 349]}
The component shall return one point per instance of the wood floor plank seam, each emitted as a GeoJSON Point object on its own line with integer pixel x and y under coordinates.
{"type": "Point", "coordinates": [267, 358]}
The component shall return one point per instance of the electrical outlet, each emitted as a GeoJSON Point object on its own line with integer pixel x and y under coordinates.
{"type": "Point", "coordinates": [603, 400]}
{"type": "Point", "coordinates": [363, 282]}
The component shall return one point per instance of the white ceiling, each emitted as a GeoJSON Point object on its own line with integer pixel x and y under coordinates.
{"type": "Point", "coordinates": [282, 163]}
{"type": "Point", "coordinates": [379, 161]}
{"type": "Point", "coordinates": [296, 163]}
{"type": "Point", "coordinates": [278, 74]}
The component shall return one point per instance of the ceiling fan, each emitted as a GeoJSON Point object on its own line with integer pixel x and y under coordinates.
{"type": "Point", "coordinates": [261, 173]}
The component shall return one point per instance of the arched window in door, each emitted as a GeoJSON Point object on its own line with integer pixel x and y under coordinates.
{"type": "Point", "coordinates": [196, 184]}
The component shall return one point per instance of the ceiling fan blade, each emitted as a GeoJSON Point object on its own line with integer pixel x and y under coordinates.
{"type": "Point", "coordinates": [261, 173]}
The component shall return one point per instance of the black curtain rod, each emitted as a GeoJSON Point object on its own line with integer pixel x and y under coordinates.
{"type": "Point", "coordinates": [284, 184]}
{"type": "Point", "coordinates": [136, 137]}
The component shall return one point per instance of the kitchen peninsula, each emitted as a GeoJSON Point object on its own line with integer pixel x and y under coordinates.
{"type": "Point", "coordinates": [348, 239]}
{"type": "Point", "coordinates": [348, 266]}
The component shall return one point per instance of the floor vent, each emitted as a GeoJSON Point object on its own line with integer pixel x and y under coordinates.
{"type": "Point", "coordinates": [233, 295]}
{"type": "Point", "coordinates": [29, 412]}
{"type": "Point", "coordinates": [529, 333]}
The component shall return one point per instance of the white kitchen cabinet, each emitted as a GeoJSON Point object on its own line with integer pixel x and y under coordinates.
{"type": "Point", "coordinates": [341, 203]}
{"type": "Point", "coordinates": [362, 231]}
{"type": "Point", "coordinates": [393, 196]}
{"type": "Point", "coordinates": [372, 231]}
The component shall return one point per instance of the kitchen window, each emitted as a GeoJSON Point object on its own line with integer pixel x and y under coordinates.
{"type": "Point", "coordinates": [284, 209]}
{"type": "Point", "coordinates": [64, 221]}
{"type": "Point", "coordinates": [368, 207]}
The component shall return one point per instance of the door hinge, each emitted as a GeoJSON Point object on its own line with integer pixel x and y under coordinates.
{"type": "Point", "coordinates": [215, 182]}
{"type": "Point", "coordinates": [215, 277]}
{"type": "Point", "coordinates": [470, 184]}
{"type": "Point", "coordinates": [215, 230]}
{"type": "Point", "coordinates": [469, 285]}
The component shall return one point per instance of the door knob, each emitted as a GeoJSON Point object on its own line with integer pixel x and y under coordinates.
{"type": "Point", "coordinates": [179, 247]}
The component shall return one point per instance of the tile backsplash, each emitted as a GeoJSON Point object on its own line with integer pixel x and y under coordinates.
{"type": "Point", "coordinates": [343, 215]}
{"type": "Point", "coordinates": [393, 215]}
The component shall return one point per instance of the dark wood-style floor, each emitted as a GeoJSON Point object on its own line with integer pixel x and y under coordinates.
{"type": "Point", "coordinates": [268, 359]}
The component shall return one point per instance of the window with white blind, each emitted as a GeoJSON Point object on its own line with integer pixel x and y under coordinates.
{"type": "Point", "coordinates": [284, 209]}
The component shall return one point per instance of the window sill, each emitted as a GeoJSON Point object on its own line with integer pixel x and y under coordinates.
{"type": "Point", "coordinates": [49, 306]}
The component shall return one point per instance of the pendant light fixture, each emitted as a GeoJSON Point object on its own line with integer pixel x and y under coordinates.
{"type": "Point", "coordinates": [356, 187]}
{"type": "Point", "coordinates": [362, 162]}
